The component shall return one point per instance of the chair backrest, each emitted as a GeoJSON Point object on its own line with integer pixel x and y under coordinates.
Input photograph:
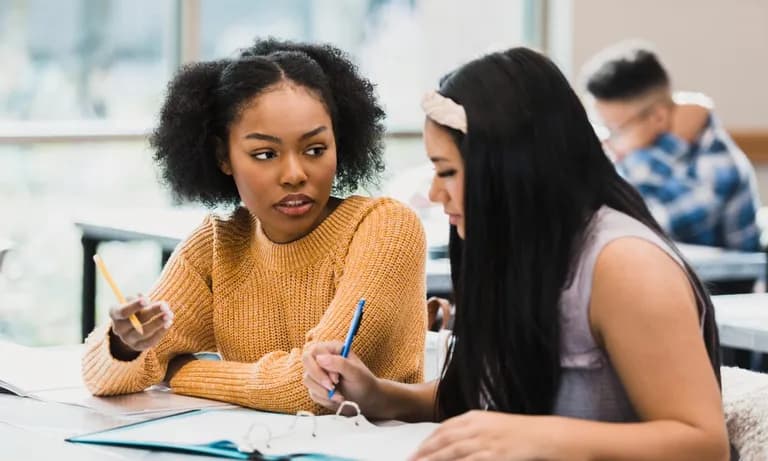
{"type": "Point", "coordinates": [5, 247]}
{"type": "Point", "coordinates": [745, 403]}
{"type": "Point", "coordinates": [435, 350]}
{"type": "Point", "coordinates": [441, 305]}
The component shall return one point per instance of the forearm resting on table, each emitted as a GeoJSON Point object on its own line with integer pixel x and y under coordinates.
{"type": "Point", "coordinates": [664, 439]}
{"type": "Point", "coordinates": [406, 402]}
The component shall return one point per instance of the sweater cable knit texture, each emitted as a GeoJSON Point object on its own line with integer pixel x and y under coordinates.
{"type": "Point", "coordinates": [260, 304]}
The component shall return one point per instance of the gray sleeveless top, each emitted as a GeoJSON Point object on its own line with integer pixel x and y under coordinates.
{"type": "Point", "coordinates": [589, 387]}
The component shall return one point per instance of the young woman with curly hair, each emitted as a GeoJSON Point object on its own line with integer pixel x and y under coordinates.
{"type": "Point", "coordinates": [271, 132]}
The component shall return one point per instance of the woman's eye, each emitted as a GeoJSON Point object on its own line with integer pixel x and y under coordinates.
{"type": "Point", "coordinates": [316, 150]}
{"type": "Point", "coordinates": [445, 174]}
{"type": "Point", "coordinates": [264, 155]}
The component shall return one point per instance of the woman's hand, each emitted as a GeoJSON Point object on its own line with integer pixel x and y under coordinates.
{"type": "Point", "coordinates": [325, 369]}
{"type": "Point", "coordinates": [487, 435]}
{"type": "Point", "coordinates": [156, 318]}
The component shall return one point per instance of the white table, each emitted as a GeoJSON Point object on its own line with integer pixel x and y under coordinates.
{"type": "Point", "coordinates": [742, 321]}
{"type": "Point", "coordinates": [710, 264]}
{"type": "Point", "coordinates": [32, 430]}
{"type": "Point", "coordinates": [717, 264]}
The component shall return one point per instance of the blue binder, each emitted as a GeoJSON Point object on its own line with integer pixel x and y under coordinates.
{"type": "Point", "coordinates": [242, 433]}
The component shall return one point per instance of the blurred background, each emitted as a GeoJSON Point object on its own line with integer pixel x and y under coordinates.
{"type": "Point", "coordinates": [82, 82]}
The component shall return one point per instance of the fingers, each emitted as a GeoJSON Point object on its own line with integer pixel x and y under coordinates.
{"type": "Point", "coordinates": [319, 388]}
{"type": "Point", "coordinates": [338, 367]}
{"type": "Point", "coordinates": [319, 394]}
{"type": "Point", "coordinates": [160, 321]}
{"type": "Point", "coordinates": [151, 341]}
{"type": "Point", "coordinates": [156, 318]}
{"type": "Point", "coordinates": [318, 380]}
{"type": "Point", "coordinates": [124, 311]}
{"type": "Point", "coordinates": [334, 377]}
{"type": "Point", "coordinates": [338, 364]}
{"type": "Point", "coordinates": [152, 315]}
{"type": "Point", "coordinates": [123, 326]}
{"type": "Point", "coordinates": [328, 379]}
{"type": "Point", "coordinates": [313, 371]}
{"type": "Point", "coordinates": [328, 347]}
{"type": "Point", "coordinates": [440, 447]}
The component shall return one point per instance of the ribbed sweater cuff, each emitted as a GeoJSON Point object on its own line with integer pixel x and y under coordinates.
{"type": "Point", "coordinates": [105, 375]}
{"type": "Point", "coordinates": [226, 381]}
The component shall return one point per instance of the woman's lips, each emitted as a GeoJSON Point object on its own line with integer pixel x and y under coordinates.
{"type": "Point", "coordinates": [295, 205]}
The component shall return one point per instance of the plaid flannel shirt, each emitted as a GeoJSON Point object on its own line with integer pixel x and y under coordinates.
{"type": "Point", "coordinates": [703, 193]}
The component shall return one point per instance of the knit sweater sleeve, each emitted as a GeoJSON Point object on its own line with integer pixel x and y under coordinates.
{"type": "Point", "coordinates": [384, 263]}
{"type": "Point", "coordinates": [187, 293]}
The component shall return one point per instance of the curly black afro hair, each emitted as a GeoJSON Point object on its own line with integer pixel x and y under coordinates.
{"type": "Point", "coordinates": [205, 98]}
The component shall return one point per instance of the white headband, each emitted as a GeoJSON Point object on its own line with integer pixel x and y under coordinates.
{"type": "Point", "coordinates": [444, 111]}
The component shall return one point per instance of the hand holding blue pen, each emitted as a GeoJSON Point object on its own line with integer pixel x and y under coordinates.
{"type": "Point", "coordinates": [351, 334]}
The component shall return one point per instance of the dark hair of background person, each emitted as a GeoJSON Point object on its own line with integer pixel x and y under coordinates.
{"type": "Point", "coordinates": [624, 72]}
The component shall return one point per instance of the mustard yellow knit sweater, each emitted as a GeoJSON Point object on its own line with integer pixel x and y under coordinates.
{"type": "Point", "coordinates": [259, 304]}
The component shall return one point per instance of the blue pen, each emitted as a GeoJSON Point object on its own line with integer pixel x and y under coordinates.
{"type": "Point", "coordinates": [351, 334]}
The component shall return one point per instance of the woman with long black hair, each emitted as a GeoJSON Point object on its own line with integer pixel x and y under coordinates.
{"type": "Point", "coordinates": [579, 327]}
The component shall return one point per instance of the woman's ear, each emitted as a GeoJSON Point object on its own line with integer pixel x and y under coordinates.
{"type": "Point", "coordinates": [222, 159]}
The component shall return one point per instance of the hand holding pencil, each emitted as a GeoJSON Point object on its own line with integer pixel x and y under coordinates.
{"type": "Point", "coordinates": [138, 323]}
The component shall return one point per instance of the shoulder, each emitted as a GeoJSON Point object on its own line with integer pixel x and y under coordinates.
{"type": "Point", "coordinates": [388, 213]}
{"type": "Point", "coordinates": [384, 224]}
{"type": "Point", "coordinates": [635, 278]}
{"type": "Point", "coordinates": [219, 234]}
{"type": "Point", "coordinates": [199, 241]}
{"type": "Point", "coordinates": [388, 207]}
{"type": "Point", "coordinates": [358, 211]}
{"type": "Point", "coordinates": [634, 257]}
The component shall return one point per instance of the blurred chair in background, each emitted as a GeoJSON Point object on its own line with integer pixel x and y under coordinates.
{"type": "Point", "coordinates": [5, 247]}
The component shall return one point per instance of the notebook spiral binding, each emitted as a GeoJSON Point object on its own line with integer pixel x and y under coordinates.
{"type": "Point", "coordinates": [259, 434]}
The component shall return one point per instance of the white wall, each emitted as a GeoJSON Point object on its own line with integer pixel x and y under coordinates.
{"type": "Point", "coordinates": [719, 47]}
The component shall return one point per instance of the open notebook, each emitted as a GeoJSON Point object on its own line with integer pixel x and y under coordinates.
{"type": "Point", "coordinates": [248, 434]}
{"type": "Point", "coordinates": [29, 371]}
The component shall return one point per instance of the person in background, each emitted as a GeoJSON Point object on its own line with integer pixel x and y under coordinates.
{"type": "Point", "coordinates": [272, 132]}
{"type": "Point", "coordinates": [696, 181]}
{"type": "Point", "coordinates": [580, 331]}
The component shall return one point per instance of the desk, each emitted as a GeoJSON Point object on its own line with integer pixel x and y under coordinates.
{"type": "Point", "coordinates": [167, 227]}
{"type": "Point", "coordinates": [32, 430]}
{"type": "Point", "coordinates": [716, 264]}
{"type": "Point", "coordinates": [710, 264]}
{"type": "Point", "coordinates": [35, 431]}
{"type": "Point", "coordinates": [742, 321]}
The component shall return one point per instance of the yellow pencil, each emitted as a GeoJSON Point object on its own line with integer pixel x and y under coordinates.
{"type": "Point", "coordinates": [118, 294]}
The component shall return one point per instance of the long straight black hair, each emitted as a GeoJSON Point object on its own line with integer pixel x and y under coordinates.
{"type": "Point", "coordinates": [535, 174]}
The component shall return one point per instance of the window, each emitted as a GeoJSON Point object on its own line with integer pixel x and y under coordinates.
{"type": "Point", "coordinates": [85, 84]}
{"type": "Point", "coordinates": [103, 59]}
{"type": "Point", "coordinates": [404, 46]}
